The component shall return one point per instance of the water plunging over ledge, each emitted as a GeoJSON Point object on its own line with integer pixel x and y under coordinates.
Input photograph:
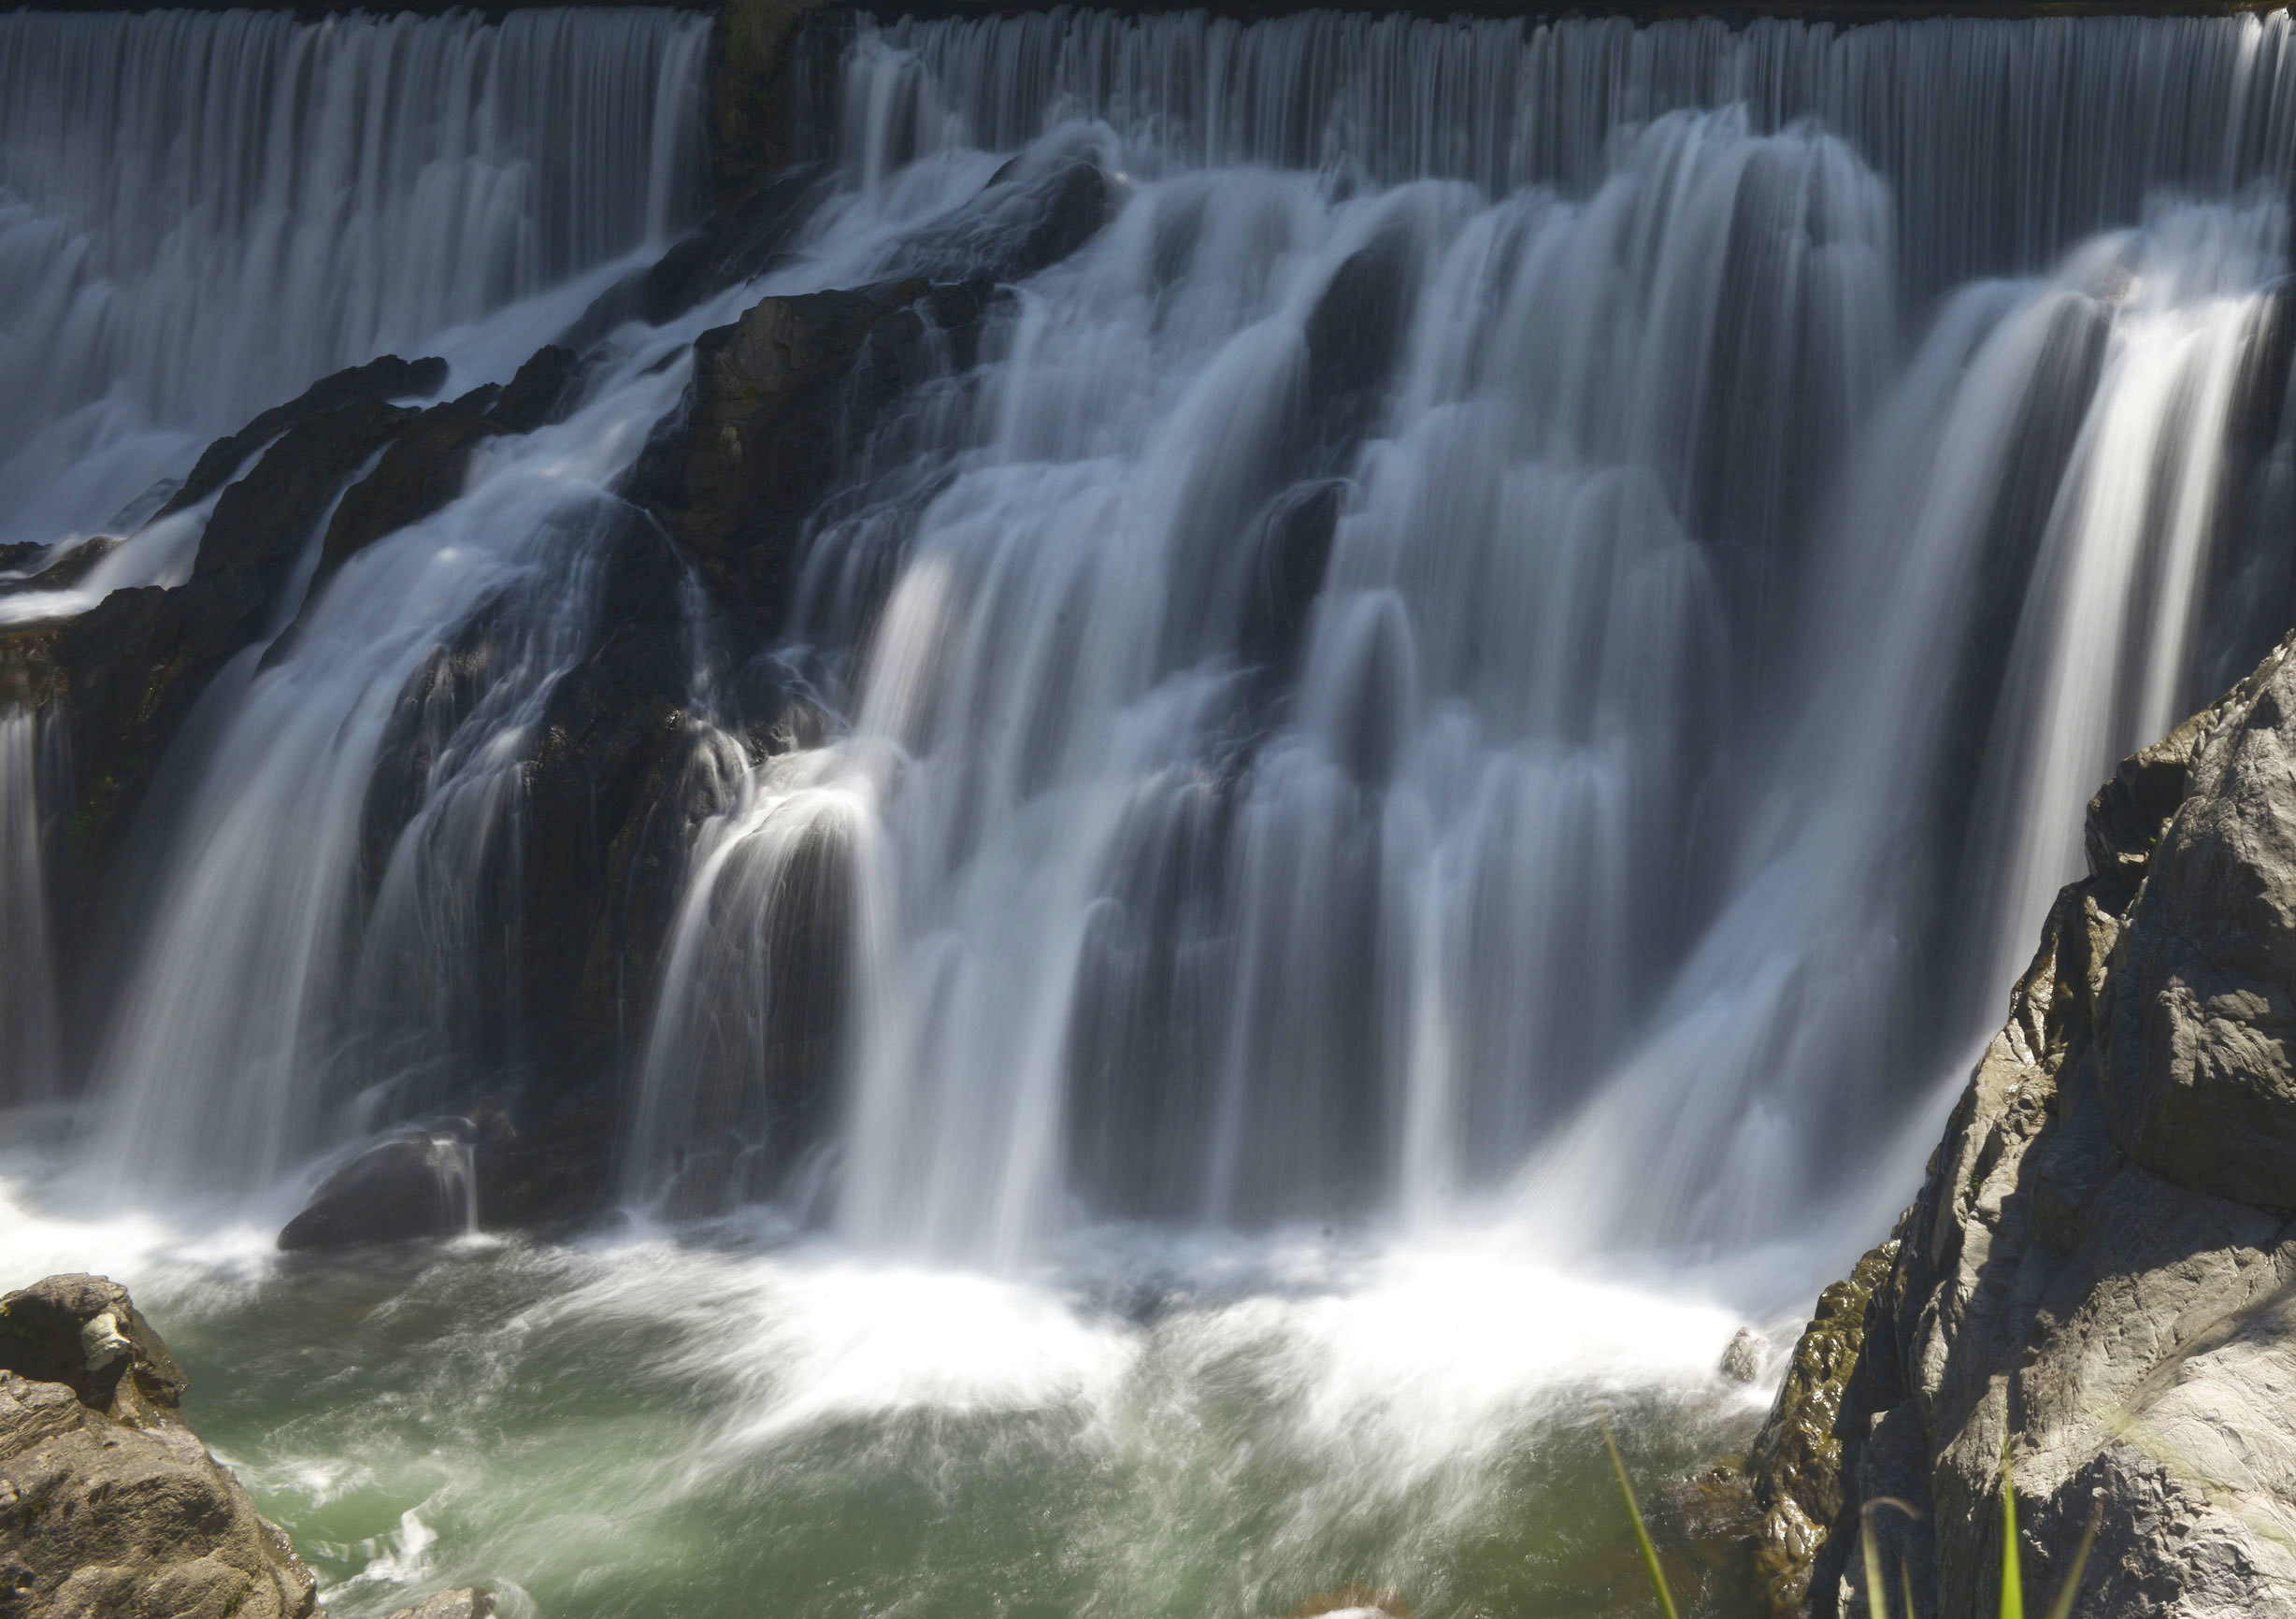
{"type": "Point", "coordinates": [1406, 792]}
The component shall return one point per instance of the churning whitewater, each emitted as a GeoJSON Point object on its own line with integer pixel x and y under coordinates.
{"type": "Point", "coordinates": [1487, 682]}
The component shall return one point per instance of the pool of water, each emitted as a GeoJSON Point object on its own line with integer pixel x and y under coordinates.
{"type": "Point", "coordinates": [740, 1418]}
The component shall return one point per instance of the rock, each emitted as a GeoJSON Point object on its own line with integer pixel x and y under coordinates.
{"type": "Point", "coordinates": [1793, 1471]}
{"type": "Point", "coordinates": [464, 1602]}
{"type": "Point", "coordinates": [375, 382]}
{"type": "Point", "coordinates": [1026, 219]}
{"type": "Point", "coordinates": [1742, 1360]}
{"type": "Point", "coordinates": [109, 1504]}
{"type": "Point", "coordinates": [750, 89]}
{"type": "Point", "coordinates": [1356, 335]}
{"type": "Point", "coordinates": [2097, 1270]}
{"type": "Point", "coordinates": [781, 401]}
{"type": "Point", "coordinates": [66, 571]}
{"type": "Point", "coordinates": [734, 245]}
{"type": "Point", "coordinates": [416, 1184]}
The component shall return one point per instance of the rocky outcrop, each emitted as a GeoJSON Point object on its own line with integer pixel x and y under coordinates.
{"type": "Point", "coordinates": [782, 400]}
{"type": "Point", "coordinates": [109, 1506]}
{"type": "Point", "coordinates": [1786, 1494]}
{"type": "Point", "coordinates": [2099, 1272]}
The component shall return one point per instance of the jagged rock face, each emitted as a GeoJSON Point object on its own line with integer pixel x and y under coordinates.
{"type": "Point", "coordinates": [126, 673]}
{"type": "Point", "coordinates": [781, 400]}
{"type": "Point", "coordinates": [109, 1506]}
{"type": "Point", "coordinates": [2097, 1270]}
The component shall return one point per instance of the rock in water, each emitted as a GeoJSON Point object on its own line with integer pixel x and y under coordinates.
{"type": "Point", "coordinates": [416, 1184]}
{"type": "Point", "coordinates": [109, 1503]}
{"type": "Point", "coordinates": [2099, 1272]}
{"type": "Point", "coordinates": [464, 1602]}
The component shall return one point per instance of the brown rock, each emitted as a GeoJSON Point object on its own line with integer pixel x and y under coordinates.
{"type": "Point", "coordinates": [109, 1507]}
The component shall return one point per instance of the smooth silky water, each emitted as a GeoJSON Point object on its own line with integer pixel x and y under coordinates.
{"type": "Point", "coordinates": [1274, 1116]}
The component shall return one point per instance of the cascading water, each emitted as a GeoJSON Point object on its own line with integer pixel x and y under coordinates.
{"type": "Point", "coordinates": [29, 1067]}
{"type": "Point", "coordinates": [201, 212]}
{"type": "Point", "coordinates": [1674, 646]}
{"type": "Point", "coordinates": [1515, 644]}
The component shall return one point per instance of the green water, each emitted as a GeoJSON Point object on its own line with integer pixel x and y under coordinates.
{"type": "Point", "coordinates": [732, 1422]}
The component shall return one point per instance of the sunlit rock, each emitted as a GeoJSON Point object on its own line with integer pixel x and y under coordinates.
{"type": "Point", "coordinates": [109, 1503]}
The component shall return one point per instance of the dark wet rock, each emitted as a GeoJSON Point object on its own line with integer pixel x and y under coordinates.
{"type": "Point", "coordinates": [375, 382]}
{"type": "Point", "coordinates": [66, 571]}
{"type": "Point", "coordinates": [414, 1184]}
{"type": "Point", "coordinates": [134, 665]}
{"type": "Point", "coordinates": [1356, 335]}
{"type": "Point", "coordinates": [109, 1503]}
{"type": "Point", "coordinates": [734, 245]}
{"type": "Point", "coordinates": [1025, 220]}
{"type": "Point", "coordinates": [541, 392]}
{"type": "Point", "coordinates": [22, 555]}
{"type": "Point", "coordinates": [422, 471]}
{"type": "Point", "coordinates": [752, 130]}
{"type": "Point", "coordinates": [2099, 1270]}
{"type": "Point", "coordinates": [1291, 553]}
{"type": "Point", "coordinates": [781, 401]}
{"type": "Point", "coordinates": [463, 1602]}
{"type": "Point", "coordinates": [610, 802]}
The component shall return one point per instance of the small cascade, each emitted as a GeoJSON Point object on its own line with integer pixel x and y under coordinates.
{"type": "Point", "coordinates": [201, 212]}
{"type": "Point", "coordinates": [29, 1035]}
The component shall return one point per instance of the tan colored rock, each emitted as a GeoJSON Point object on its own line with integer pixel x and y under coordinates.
{"type": "Point", "coordinates": [2099, 1271]}
{"type": "Point", "coordinates": [110, 1508]}
{"type": "Point", "coordinates": [464, 1603]}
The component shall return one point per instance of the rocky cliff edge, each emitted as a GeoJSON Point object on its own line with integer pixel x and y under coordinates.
{"type": "Point", "coordinates": [2099, 1272]}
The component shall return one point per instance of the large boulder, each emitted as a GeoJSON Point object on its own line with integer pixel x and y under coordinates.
{"type": "Point", "coordinates": [109, 1507]}
{"type": "Point", "coordinates": [417, 1184]}
{"type": "Point", "coordinates": [2099, 1274]}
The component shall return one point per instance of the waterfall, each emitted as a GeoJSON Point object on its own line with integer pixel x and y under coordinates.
{"type": "Point", "coordinates": [1526, 628]}
{"type": "Point", "coordinates": [1489, 637]}
{"type": "Point", "coordinates": [29, 1035]}
{"type": "Point", "coordinates": [200, 212]}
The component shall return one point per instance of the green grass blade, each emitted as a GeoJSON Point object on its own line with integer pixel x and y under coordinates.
{"type": "Point", "coordinates": [2012, 1571]}
{"type": "Point", "coordinates": [1905, 1583]}
{"type": "Point", "coordinates": [1877, 1591]}
{"type": "Point", "coordinates": [2063, 1607]}
{"type": "Point", "coordinates": [1641, 1535]}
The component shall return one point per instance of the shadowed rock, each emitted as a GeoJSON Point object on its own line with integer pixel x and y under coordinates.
{"type": "Point", "coordinates": [781, 400]}
{"type": "Point", "coordinates": [417, 1185]}
{"type": "Point", "coordinates": [389, 377]}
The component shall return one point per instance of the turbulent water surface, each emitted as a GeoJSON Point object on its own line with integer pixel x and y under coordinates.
{"type": "Point", "coordinates": [1292, 1059]}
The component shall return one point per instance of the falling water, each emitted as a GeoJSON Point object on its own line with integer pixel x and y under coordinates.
{"type": "Point", "coordinates": [1717, 616]}
{"type": "Point", "coordinates": [29, 1070]}
{"type": "Point", "coordinates": [201, 212]}
{"type": "Point", "coordinates": [1519, 639]}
